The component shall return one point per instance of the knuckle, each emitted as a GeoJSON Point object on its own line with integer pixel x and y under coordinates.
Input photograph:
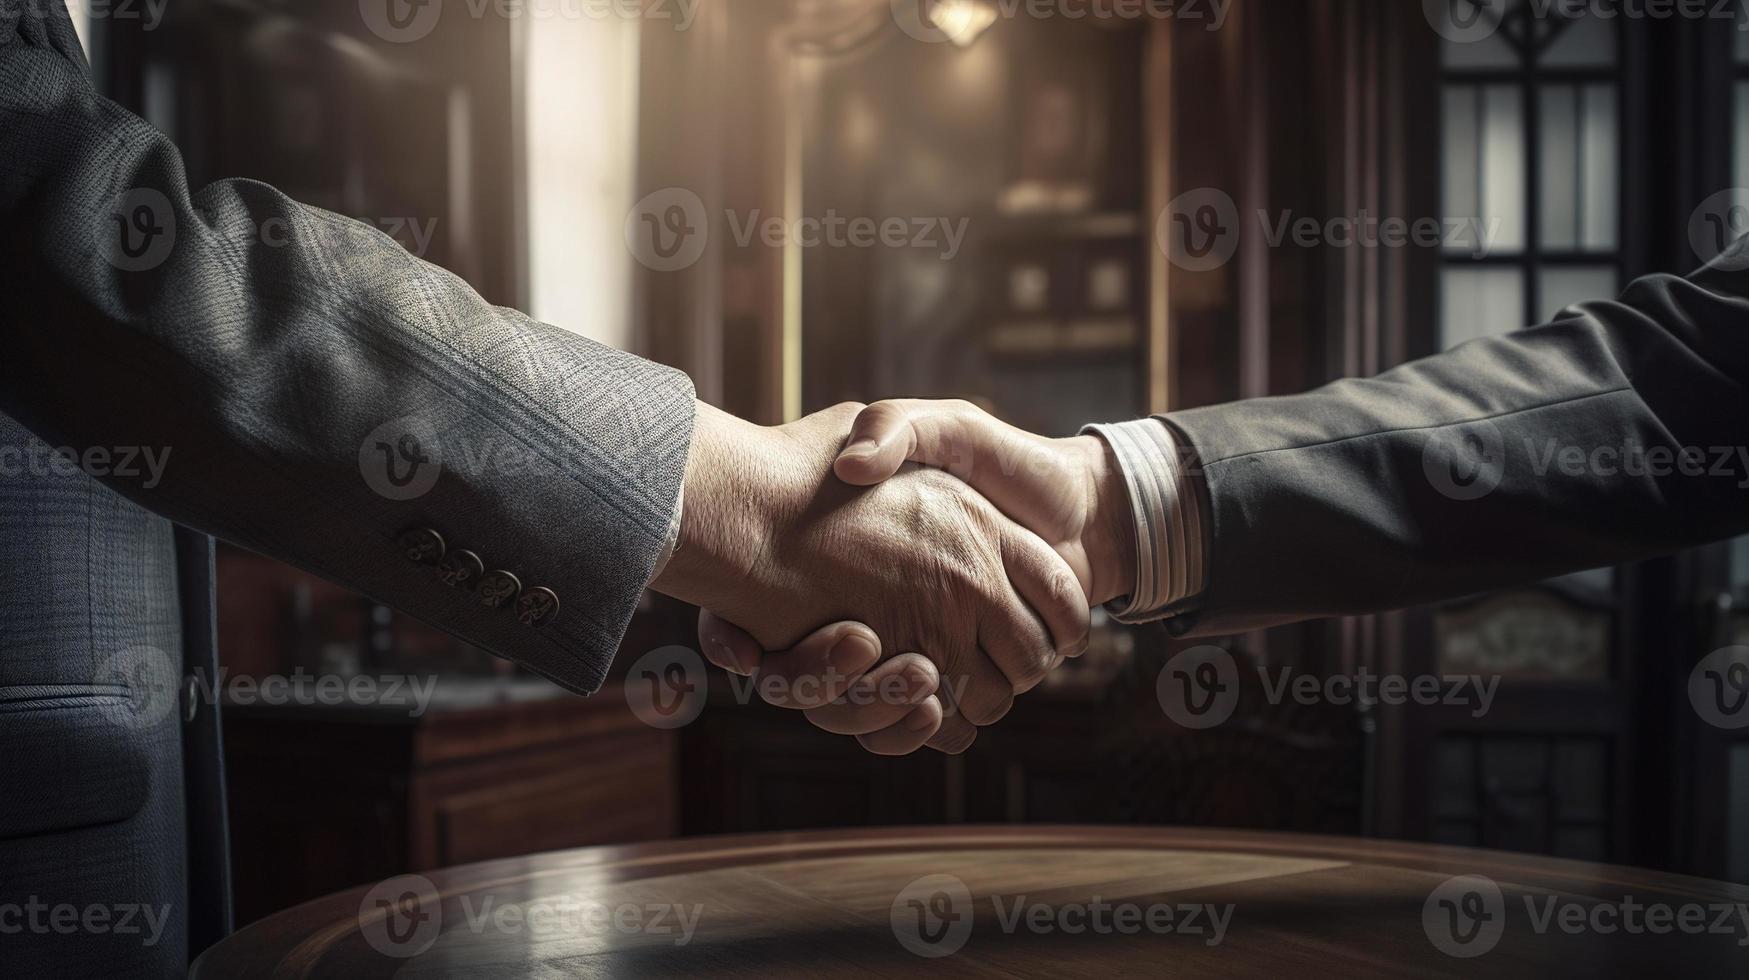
{"type": "Point", "coordinates": [1065, 592]}
{"type": "Point", "coordinates": [988, 709]}
{"type": "Point", "coordinates": [1031, 670]}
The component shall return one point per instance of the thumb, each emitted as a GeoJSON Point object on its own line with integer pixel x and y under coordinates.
{"type": "Point", "coordinates": [881, 440]}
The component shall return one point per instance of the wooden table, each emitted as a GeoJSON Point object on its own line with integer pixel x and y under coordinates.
{"type": "Point", "coordinates": [1098, 902]}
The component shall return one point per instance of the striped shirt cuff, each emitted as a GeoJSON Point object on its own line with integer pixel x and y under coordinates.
{"type": "Point", "coordinates": [1163, 499]}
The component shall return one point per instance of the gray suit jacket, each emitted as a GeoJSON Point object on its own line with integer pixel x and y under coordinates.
{"type": "Point", "coordinates": [310, 391]}
{"type": "Point", "coordinates": [1617, 432]}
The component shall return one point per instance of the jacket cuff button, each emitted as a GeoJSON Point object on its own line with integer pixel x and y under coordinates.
{"type": "Point", "coordinates": [537, 606]}
{"type": "Point", "coordinates": [460, 569]}
{"type": "Point", "coordinates": [498, 589]}
{"type": "Point", "coordinates": [421, 545]}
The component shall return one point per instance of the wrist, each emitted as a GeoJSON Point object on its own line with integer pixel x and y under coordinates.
{"type": "Point", "coordinates": [726, 521]}
{"type": "Point", "coordinates": [1109, 535]}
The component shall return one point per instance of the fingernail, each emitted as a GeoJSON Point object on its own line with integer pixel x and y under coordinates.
{"type": "Point", "coordinates": [853, 654]}
{"type": "Point", "coordinates": [726, 655]}
{"type": "Point", "coordinates": [861, 447]}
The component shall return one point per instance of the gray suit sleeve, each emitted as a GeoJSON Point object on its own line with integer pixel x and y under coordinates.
{"type": "Point", "coordinates": [295, 382]}
{"type": "Point", "coordinates": [1616, 432]}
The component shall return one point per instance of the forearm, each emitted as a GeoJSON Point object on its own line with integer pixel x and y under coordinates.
{"type": "Point", "coordinates": [1502, 462]}
{"type": "Point", "coordinates": [315, 391]}
{"type": "Point", "coordinates": [725, 520]}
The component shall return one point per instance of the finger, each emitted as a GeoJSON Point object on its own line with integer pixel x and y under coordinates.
{"type": "Point", "coordinates": [909, 734]}
{"type": "Point", "coordinates": [1015, 640]}
{"type": "Point", "coordinates": [880, 698]}
{"type": "Point", "coordinates": [727, 645]}
{"type": "Point", "coordinates": [1046, 582]}
{"type": "Point", "coordinates": [880, 441]}
{"type": "Point", "coordinates": [818, 670]}
{"type": "Point", "coordinates": [955, 735]}
{"type": "Point", "coordinates": [951, 434]}
{"type": "Point", "coordinates": [959, 437]}
{"type": "Point", "coordinates": [977, 686]}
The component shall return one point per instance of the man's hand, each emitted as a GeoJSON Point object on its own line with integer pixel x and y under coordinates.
{"type": "Point", "coordinates": [1067, 491]}
{"type": "Point", "coordinates": [890, 706]}
{"type": "Point", "coordinates": [771, 541]}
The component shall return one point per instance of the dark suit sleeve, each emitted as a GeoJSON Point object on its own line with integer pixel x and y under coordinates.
{"type": "Point", "coordinates": [1614, 433]}
{"type": "Point", "coordinates": [295, 382]}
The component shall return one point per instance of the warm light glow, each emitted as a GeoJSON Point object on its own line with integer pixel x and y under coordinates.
{"type": "Point", "coordinates": [963, 20]}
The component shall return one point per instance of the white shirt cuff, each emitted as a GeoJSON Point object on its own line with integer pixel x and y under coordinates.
{"type": "Point", "coordinates": [1170, 565]}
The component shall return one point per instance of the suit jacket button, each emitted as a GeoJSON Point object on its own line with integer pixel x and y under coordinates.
{"type": "Point", "coordinates": [537, 606]}
{"type": "Point", "coordinates": [498, 589]}
{"type": "Point", "coordinates": [421, 544]}
{"type": "Point", "coordinates": [460, 569]}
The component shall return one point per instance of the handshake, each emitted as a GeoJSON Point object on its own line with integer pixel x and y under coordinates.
{"type": "Point", "coordinates": [978, 573]}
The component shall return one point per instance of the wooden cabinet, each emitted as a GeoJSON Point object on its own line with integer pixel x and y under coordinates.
{"type": "Point", "coordinates": [324, 797]}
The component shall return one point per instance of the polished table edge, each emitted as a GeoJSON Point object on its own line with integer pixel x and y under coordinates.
{"type": "Point", "coordinates": [303, 931]}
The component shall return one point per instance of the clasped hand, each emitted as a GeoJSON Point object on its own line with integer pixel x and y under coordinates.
{"type": "Point", "coordinates": [977, 569]}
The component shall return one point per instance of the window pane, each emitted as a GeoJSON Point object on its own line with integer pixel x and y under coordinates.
{"type": "Point", "coordinates": [1743, 35]}
{"type": "Point", "coordinates": [1484, 167]}
{"type": "Point", "coordinates": [1740, 563]}
{"type": "Point", "coordinates": [1463, 157]}
{"type": "Point", "coordinates": [1468, 40]}
{"type": "Point", "coordinates": [1559, 288]}
{"type": "Point", "coordinates": [1588, 42]}
{"type": "Point", "coordinates": [1600, 161]}
{"type": "Point", "coordinates": [1477, 301]}
{"type": "Point", "coordinates": [1503, 166]}
{"type": "Point", "coordinates": [1560, 182]}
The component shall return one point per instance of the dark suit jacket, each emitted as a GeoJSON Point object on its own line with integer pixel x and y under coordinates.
{"type": "Point", "coordinates": [1619, 431]}
{"type": "Point", "coordinates": [318, 392]}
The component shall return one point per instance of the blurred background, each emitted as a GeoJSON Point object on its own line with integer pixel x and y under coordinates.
{"type": "Point", "coordinates": [1068, 212]}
